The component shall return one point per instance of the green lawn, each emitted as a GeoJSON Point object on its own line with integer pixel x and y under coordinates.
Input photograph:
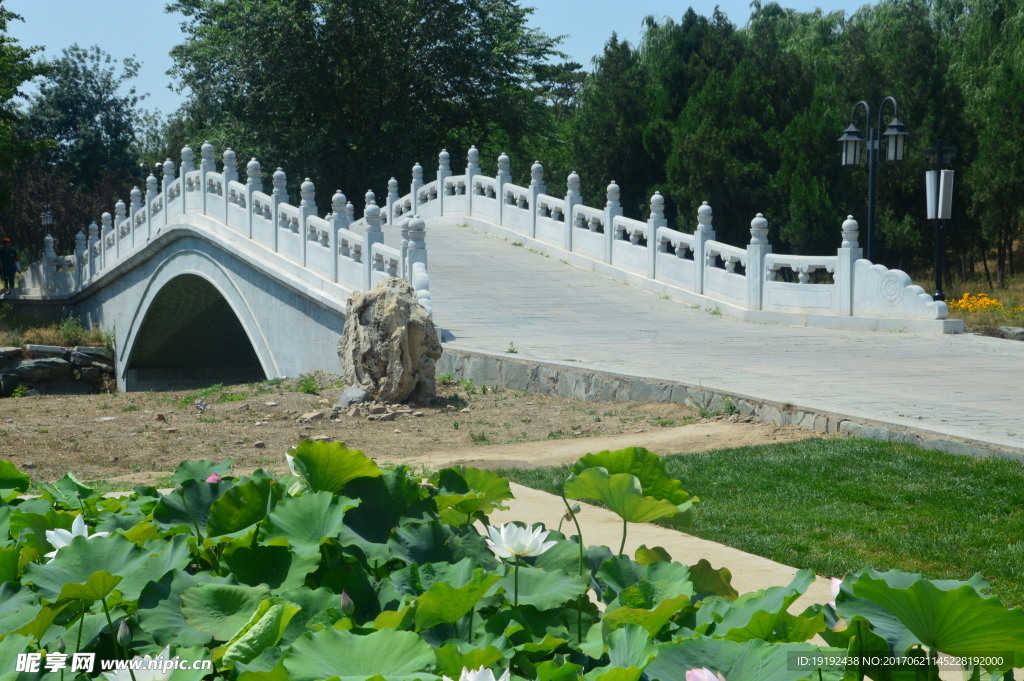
{"type": "Point", "coordinates": [840, 504]}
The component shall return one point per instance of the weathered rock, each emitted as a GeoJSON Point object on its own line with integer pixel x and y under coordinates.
{"type": "Point", "coordinates": [8, 382]}
{"type": "Point", "coordinates": [43, 351]}
{"type": "Point", "coordinates": [311, 416]}
{"type": "Point", "coordinates": [91, 374]}
{"type": "Point", "coordinates": [354, 394]}
{"type": "Point", "coordinates": [80, 359]}
{"type": "Point", "coordinates": [48, 369]}
{"type": "Point", "coordinates": [1012, 332]}
{"type": "Point", "coordinates": [389, 345]}
{"type": "Point", "coordinates": [104, 367]}
{"type": "Point", "coordinates": [10, 353]}
{"type": "Point", "coordinates": [95, 352]}
{"type": "Point", "coordinates": [377, 409]}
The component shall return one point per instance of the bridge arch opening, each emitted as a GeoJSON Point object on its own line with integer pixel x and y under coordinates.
{"type": "Point", "coordinates": [190, 338]}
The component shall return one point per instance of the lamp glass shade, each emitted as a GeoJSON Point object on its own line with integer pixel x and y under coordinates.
{"type": "Point", "coordinates": [851, 143]}
{"type": "Point", "coordinates": [896, 135]}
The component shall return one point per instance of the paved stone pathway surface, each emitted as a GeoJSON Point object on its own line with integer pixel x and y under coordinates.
{"type": "Point", "coordinates": [487, 293]}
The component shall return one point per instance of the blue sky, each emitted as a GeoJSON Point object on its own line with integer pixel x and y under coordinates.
{"type": "Point", "coordinates": [141, 28]}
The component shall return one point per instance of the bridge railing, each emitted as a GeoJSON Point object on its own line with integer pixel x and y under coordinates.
{"type": "Point", "coordinates": [264, 225]}
{"type": "Point", "coordinates": [651, 254]}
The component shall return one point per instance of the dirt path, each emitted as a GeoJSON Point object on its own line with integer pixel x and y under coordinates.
{"type": "Point", "coordinates": [141, 437]}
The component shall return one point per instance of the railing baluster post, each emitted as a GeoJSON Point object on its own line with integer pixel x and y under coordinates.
{"type": "Point", "coordinates": [704, 232]}
{"type": "Point", "coordinates": [656, 220]}
{"type": "Point", "coordinates": [338, 219]}
{"type": "Point", "coordinates": [230, 175]}
{"type": "Point", "coordinates": [280, 196]}
{"type": "Point", "coordinates": [104, 232]}
{"type": "Point", "coordinates": [572, 198]}
{"type": "Point", "coordinates": [391, 199]}
{"type": "Point", "coordinates": [848, 254]}
{"type": "Point", "coordinates": [152, 191]}
{"type": "Point", "coordinates": [502, 178]}
{"type": "Point", "coordinates": [371, 235]}
{"type": "Point", "coordinates": [206, 165]}
{"type": "Point", "coordinates": [119, 213]}
{"type": "Point", "coordinates": [612, 209]}
{"type": "Point", "coordinates": [472, 170]}
{"type": "Point", "coordinates": [168, 181]}
{"type": "Point", "coordinates": [444, 171]}
{"type": "Point", "coordinates": [757, 250]}
{"type": "Point", "coordinates": [253, 183]}
{"type": "Point", "coordinates": [536, 188]}
{"type": "Point", "coordinates": [307, 208]}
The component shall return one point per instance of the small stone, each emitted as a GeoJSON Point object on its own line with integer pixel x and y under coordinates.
{"type": "Point", "coordinates": [244, 407]}
{"type": "Point", "coordinates": [354, 411]}
{"type": "Point", "coordinates": [200, 405]}
{"type": "Point", "coordinates": [417, 413]}
{"type": "Point", "coordinates": [372, 417]}
{"type": "Point", "coordinates": [529, 402]}
{"type": "Point", "coordinates": [464, 411]}
{"type": "Point", "coordinates": [114, 459]}
{"type": "Point", "coordinates": [258, 423]}
{"type": "Point", "coordinates": [354, 394]}
{"type": "Point", "coordinates": [159, 417]}
{"type": "Point", "coordinates": [104, 419]}
{"type": "Point", "coordinates": [377, 409]}
{"type": "Point", "coordinates": [28, 464]}
{"type": "Point", "coordinates": [397, 430]}
{"type": "Point", "coordinates": [390, 416]}
{"type": "Point", "coordinates": [170, 430]}
{"type": "Point", "coordinates": [259, 444]}
{"type": "Point", "coordinates": [321, 438]}
{"type": "Point", "coordinates": [311, 416]}
{"type": "Point", "coordinates": [1011, 332]}
{"type": "Point", "coordinates": [270, 404]}
{"type": "Point", "coordinates": [239, 442]}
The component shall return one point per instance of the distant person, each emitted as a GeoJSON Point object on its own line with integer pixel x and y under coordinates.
{"type": "Point", "coordinates": [9, 264]}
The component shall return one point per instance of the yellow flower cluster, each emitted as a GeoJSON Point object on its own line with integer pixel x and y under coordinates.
{"type": "Point", "coordinates": [980, 302]}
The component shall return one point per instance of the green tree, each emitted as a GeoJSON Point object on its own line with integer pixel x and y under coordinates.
{"type": "Point", "coordinates": [16, 68]}
{"type": "Point", "coordinates": [350, 93]}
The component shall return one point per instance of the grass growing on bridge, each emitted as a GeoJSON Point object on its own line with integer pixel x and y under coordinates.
{"type": "Point", "coordinates": [833, 505]}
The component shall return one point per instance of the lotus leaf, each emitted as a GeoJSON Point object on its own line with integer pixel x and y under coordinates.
{"type": "Point", "coordinates": [444, 604]}
{"type": "Point", "coordinates": [263, 630]}
{"type": "Point", "coordinates": [329, 466]}
{"type": "Point", "coordinates": [68, 492]}
{"type": "Point", "coordinates": [220, 610]}
{"type": "Point", "coordinates": [243, 506]}
{"type": "Point", "coordinates": [188, 506]}
{"type": "Point", "coordinates": [160, 613]}
{"type": "Point", "coordinates": [277, 566]}
{"type": "Point", "coordinates": [453, 658]}
{"type": "Point", "coordinates": [200, 470]}
{"type": "Point", "coordinates": [550, 671]}
{"type": "Point", "coordinates": [749, 661]}
{"type": "Point", "coordinates": [956, 620]}
{"type": "Point", "coordinates": [465, 492]}
{"type": "Point", "coordinates": [707, 580]}
{"type": "Point", "coordinates": [621, 492]}
{"type": "Point", "coordinates": [542, 589]}
{"type": "Point", "coordinates": [76, 562]}
{"type": "Point", "coordinates": [332, 653]}
{"type": "Point", "coordinates": [12, 480]}
{"type": "Point", "coordinates": [9, 564]}
{"type": "Point", "coordinates": [646, 556]}
{"type": "Point", "coordinates": [307, 520]}
{"type": "Point", "coordinates": [10, 647]}
{"type": "Point", "coordinates": [756, 615]}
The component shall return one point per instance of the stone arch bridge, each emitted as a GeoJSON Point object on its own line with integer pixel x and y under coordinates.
{"type": "Point", "coordinates": [207, 277]}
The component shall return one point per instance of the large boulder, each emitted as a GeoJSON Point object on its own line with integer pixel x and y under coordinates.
{"type": "Point", "coordinates": [390, 345]}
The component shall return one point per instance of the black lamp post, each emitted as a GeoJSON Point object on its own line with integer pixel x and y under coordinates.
{"type": "Point", "coordinates": [851, 140]}
{"type": "Point", "coordinates": [939, 155]}
{"type": "Point", "coordinates": [47, 219]}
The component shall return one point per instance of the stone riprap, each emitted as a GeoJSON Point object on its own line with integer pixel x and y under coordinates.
{"type": "Point", "coordinates": [52, 369]}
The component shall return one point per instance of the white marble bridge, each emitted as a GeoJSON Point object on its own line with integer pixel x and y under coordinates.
{"type": "Point", "coordinates": [206, 277]}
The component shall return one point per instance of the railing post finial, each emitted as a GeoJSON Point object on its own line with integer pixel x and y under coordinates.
{"type": "Point", "coordinates": [759, 230]}
{"type": "Point", "coordinates": [851, 232]}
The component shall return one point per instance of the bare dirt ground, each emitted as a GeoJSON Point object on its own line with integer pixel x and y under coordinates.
{"type": "Point", "coordinates": [137, 438]}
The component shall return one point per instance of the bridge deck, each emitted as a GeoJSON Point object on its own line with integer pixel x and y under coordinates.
{"type": "Point", "coordinates": [489, 293]}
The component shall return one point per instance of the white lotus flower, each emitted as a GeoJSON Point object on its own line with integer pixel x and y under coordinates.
{"type": "Point", "coordinates": [703, 674]}
{"type": "Point", "coordinates": [145, 674]}
{"type": "Point", "coordinates": [835, 584]}
{"type": "Point", "coordinates": [511, 541]}
{"type": "Point", "coordinates": [60, 538]}
{"type": "Point", "coordinates": [291, 464]}
{"type": "Point", "coordinates": [482, 674]}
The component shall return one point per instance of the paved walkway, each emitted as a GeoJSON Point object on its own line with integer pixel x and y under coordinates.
{"type": "Point", "coordinates": [488, 293]}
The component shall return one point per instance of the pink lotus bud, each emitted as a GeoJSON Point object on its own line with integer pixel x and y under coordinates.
{"type": "Point", "coordinates": [347, 606]}
{"type": "Point", "coordinates": [214, 478]}
{"type": "Point", "coordinates": [703, 674]}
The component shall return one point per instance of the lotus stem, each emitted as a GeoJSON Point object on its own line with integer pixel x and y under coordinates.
{"type": "Point", "coordinates": [579, 535]}
{"type": "Point", "coordinates": [623, 544]}
{"type": "Point", "coordinates": [469, 631]}
{"type": "Point", "coordinates": [78, 646]}
{"type": "Point", "coordinates": [516, 581]}
{"type": "Point", "coordinates": [117, 646]}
